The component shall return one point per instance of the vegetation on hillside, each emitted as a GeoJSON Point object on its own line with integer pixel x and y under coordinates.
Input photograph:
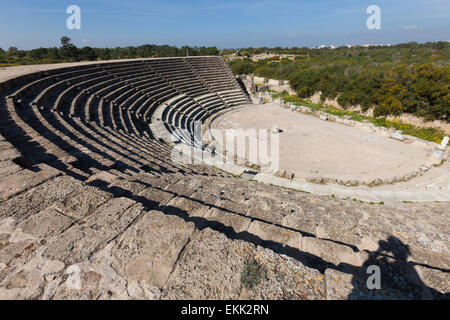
{"type": "Point", "coordinates": [406, 78]}
{"type": "Point", "coordinates": [430, 134]}
{"type": "Point", "coordinates": [68, 52]}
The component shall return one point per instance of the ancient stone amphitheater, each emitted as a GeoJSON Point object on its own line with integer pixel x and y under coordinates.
{"type": "Point", "coordinates": [93, 206]}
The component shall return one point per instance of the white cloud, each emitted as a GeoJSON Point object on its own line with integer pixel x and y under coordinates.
{"type": "Point", "coordinates": [414, 27]}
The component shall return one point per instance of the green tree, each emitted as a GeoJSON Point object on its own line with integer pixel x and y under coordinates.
{"type": "Point", "coordinates": [68, 50]}
{"type": "Point", "coordinates": [87, 53]}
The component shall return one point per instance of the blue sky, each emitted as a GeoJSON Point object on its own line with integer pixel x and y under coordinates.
{"type": "Point", "coordinates": [225, 24]}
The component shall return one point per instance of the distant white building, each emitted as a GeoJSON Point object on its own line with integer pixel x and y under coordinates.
{"type": "Point", "coordinates": [375, 45]}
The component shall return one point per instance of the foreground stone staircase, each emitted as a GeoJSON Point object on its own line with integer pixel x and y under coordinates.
{"type": "Point", "coordinates": [92, 205]}
{"type": "Point", "coordinates": [153, 235]}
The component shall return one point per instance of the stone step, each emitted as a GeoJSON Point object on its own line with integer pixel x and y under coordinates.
{"type": "Point", "coordinates": [26, 179]}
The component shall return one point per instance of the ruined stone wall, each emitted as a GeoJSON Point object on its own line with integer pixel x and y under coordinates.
{"type": "Point", "coordinates": [405, 117]}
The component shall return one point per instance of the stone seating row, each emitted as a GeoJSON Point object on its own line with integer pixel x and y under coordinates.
{"type": "Point", "coordinates": [69, 116]}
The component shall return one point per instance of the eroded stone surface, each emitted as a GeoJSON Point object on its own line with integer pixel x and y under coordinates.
{"type": "Point", "coordinates": [329, 251]}
{"type": "Point", "coordinates": [7, 168]}
{"type": "Point", "coordinates": [286, 279]}
{"type": "Point", "coordinates": [86, 236]}
{"type": "Point", "coordinates": [339, 285]}
{"type": "Point", "coordinates": [277, 237]}
{"type": "Point", "coordinates": [209, 269]}
{"type": "Point", "coordinates": [212, 265]}
{"type": "Point", "coordinates": [225, 220]}
{"type": "Point", "coordinates": [39, 198]}
{"type": "Point", "coordinates": [25, 180]}
{"type": "Point", "coordinates": [148, 250]}
{"type": "Point", "coordinates": [46, 223]}
{"type": "Point", "coordinates": [79, 205]}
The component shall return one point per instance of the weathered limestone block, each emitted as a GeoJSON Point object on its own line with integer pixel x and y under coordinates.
{"type": "Point", "coordinates": [15, 253]}
{"type": "Point", "coordinates": [87, 236]}
{"type": "Point", "coordinates": [185, 207]}
{"type": "Point", "coordinates": [154, 197]}
{"type": "Point", "coordinates": [148, 250]}
{"type": "Point", "coordinates": [276, 237]}
{"type": "Point", "coordinates": [88, 280]}
{"type": "Point", "coordinates": [154, 181]}
{"type": "Point", "coordinates": [275, 82]}
{"type": "Point", "coordinates": [186, 187]}
{"type": "Point", "coordinates": [79, 285]}
{"type": "Point", "coordinates": [7, 168]}
{"type": "Point", "coordinates": [45, 223]}
{"type": "Point", "coordinates": [209, 269]}
{"type": "Point", "coordinates": [140, 290]}
{"type": "Point", "coordinates": [338, 223]}
{"type": "Point", "coordinates": [7, 151]}
{"type": "Point", "coordinates": [259, 80]}
{"type": "Point", "coordinates": [39, 198]}
{"type": "Point", "coordinates": [212, 264]}
{"type": "Point", "coordinates": [205, 198]}
{"type": "Point", "coordinates": [22, 268]}
{"type": "Point", "coordinates": [339, 285]}
{"type": "Point", "coordinates": [301, 223]}
{"type": "Point", "coordinates": [232, 206]}
{"type": "Point", "coordinates": [124, 187]}
{"type": "Point", "coordinates": [36, 279]}
{"type": "Point", "coordinates": [330, 252]}
{"type": "Point", "coordinates": [80, 204]}
{"type": "Point", "coordinates": [26, 284]}
{"type": "Point", "coordinates": [25, 180]}
{"type": "Point", "coordinates": [398, 136]}
{"type": "Point", "coordinates": [438, 153]}
{"type": "Point", "coordinates": [285, 279]}
{"type": "Point", "coordinates": [436, 257]}
{"type": "Point", "coordinates": [436, 282]}
{"type": "Point", "coordinates": [226, 221]}
{"type": "Point", "coordinates": [102, 177]}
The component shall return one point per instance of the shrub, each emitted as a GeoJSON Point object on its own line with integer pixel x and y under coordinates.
{"type": "Point", "coordinates": [252, 273]}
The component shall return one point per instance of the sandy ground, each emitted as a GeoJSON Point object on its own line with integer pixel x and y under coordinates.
{"type": "Point", "coordinates": [310, 147]}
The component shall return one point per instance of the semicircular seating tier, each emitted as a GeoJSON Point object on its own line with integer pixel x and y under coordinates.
{"type": "Point", "coordinates": [104, 116]}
